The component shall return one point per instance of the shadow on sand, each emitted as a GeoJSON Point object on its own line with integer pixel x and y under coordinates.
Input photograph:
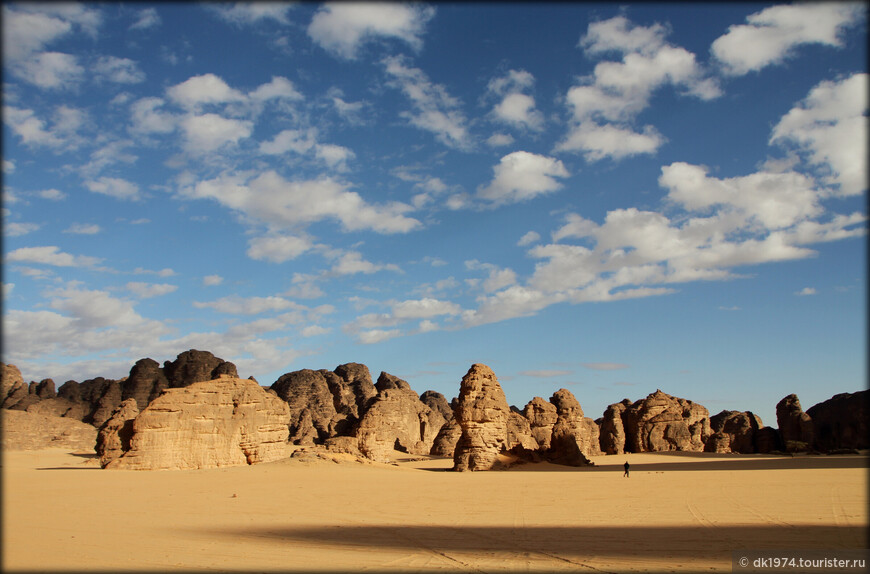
{"type": "Point", "coordinates": [571, 541]}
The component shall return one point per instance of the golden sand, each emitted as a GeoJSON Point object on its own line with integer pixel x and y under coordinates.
{"type": "Point", "coordinates": [677, 512]}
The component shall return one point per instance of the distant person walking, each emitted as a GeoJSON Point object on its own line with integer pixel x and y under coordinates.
{"type": "Point", "coordinates": [625, 466]}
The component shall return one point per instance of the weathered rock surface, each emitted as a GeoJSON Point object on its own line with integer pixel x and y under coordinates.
{"type": "Point", "coordinates": [58, 407]}
{"type": "Point", "coordinates": [482, 412]}
{"type": "Point", "coordinates": [718, 442]}
{"type": "Point", "coordinates": [223, 422]}
{"type": "Point", "coordinates": [145, 382]}
{"type": "Point", "coordinates": [661, 422]}
{"type": "Point", "coordinates": [99, 398]}
{"type": "Point", "coordinates": [312, 406]}
{"type": "Point", "coordinates": [113, 438]}
{"type": "Point", "coordinates": [44, 389]}
{"type": "Point", "coordinates": [795, 426]}
{"type": "Point", "coordinates": [575, 437]}
{"type": "Point", "coordinates": [612, 430]}
{"type": "Point", "coordinates": [397, 420]}
{"type": "Point", "coordinates": [542, 415]}
{"type": "Point", "coordinates": [388, 381]}
{"type": "Point", "coordinates": [30, 431]}
{"type": "Point", "coordinates": [767, 440]}
{"type": "Point", "coordinates": [519, 432]}
{"type": "Point", "coordinates": [741, 428]}
{"type": "Point", "coordinates": [195, 366]}
{"type": "Point", "coordinates": [12, 386]}
{"type": "Point", "coordinates": [841, 422]}
{"type": "Point", "coordinates": [437, 402]}
{"type": "Point", "coordinates": [448, 437]}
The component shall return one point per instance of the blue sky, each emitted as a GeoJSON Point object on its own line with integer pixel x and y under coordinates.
{"type": "Point", "coordinates": [607, 198]}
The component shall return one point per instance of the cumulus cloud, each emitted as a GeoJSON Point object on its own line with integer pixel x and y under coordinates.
{"type": "Point", "coordinates": [278, 248]}
{"type": "Point", "coordinates": [236, 305]}
{"type": "Point", "coordinates": [212, 280]}
{"type": "Point", "coordinates": [114, 187]}
{"type": "Point", "coordinates": [245, 13]}
{"type": "Point", "coordinates": [146, 18]}
{"type": "Point", "coordinates": [342, 28]}
{"type": "Point", "coordinates": [147, 118]}
{"type": "Point", "coordinates": [280, 203]}
{"type": "Point", "coordinates": [16, 229]}
{"type": "Point", "coordinates": [148, 290]}
{"type": "Point", "coordinates": [515, 107]}
{"type": "Point", "coordinates": [119, 70]}
{"type": "Point", "coordinates": [51, 70]}
{"type": "Point", "coordinates": [435, 110]}
{"type": "Point", "coordinates": [202, 90]}
{"type": "Point", "coordinates": [520, 176]}
{"type": "Point", "coordinates": [210, 132]}
{"type": "Point", "coordinates": [352, 262]}
{"type": "Point", "coordinates": [830, 127]}
{"type": "Point", "coordinates": [305, 142]}
{"type": "Point", "coordinates": [806, 291]}
{"type": "Point", "coordinates": [605, 104]}
{"type": "Point", "coordinates": [83, 229]}
{"type": "Point", "coordinates": [51, 255]}
{"type": "Point", "coordinates": [529, 238]}
{"type": "Point", "coordinates": [770, 36]}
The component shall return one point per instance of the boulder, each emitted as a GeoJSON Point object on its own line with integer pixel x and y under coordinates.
{"type": "Point", "coordinates": [841, 422]}
{"type": "Point", "coordinates": [145, 382]}
{"type": "Point", "coordinates": [356, 390]}
{"type": "Point", "coordinates": [44, 389]}
{"type": "Point", "coordinates": [767, 440]}
{"type": "Point", "coordinates": [98, 398]}
{"type": "Point", "coordinates": [388, 381]}
{"type": "Point", "coordinates": [795, 426]}
{"type": "Point", "coordinates": [661, 422]}
{"type": "Point", "coordinates": [397, 420]}
{"type": "Point", "coordinates": [196, 366]}
{"type": "Point", "coordinates": [223, 422]}
{"type": "Point", "coordinates": [519, 432]}
{"type": "Point", "coordinates": [718, 442]}
{"type": "Point", "coordinates": [113, 438]}
{"type": "Point", "coordinates": [741, 427]}
{"type": "Point", "coordinates": [30, 431]}
{"type": "Point", "coordinates": [482, 413]}
{"type": "Point", "coordinates": [12, 386]}
{"type": "Point", "coordinates": [542, 415]}
{"type": "Point", "coordinates": [437, 402]}
{"type": "Point", "coordinates": [575, 437]}
{"type": "Point", "coordinates": [312, 405]}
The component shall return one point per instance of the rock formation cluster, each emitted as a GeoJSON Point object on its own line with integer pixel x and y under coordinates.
{"type": "Point", "coordinates": [195, 412]}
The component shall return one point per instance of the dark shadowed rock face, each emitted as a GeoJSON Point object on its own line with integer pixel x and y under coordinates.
{"type": "Point", "coordinates": [447, 439]}
{"type": "Point", "coordinates": [388, 381]}
{"type": "Point", "coordinates": [841, 422]}
{"type": "Point", "coordinates": [741, 429]}
{"type": "Point", "coordinates": [196, 366]}
{"type": "Point", "coordinates": [767, 440]}
{"type": "Point", "coordinates": [98, 398]}
{"type": "Point", "coordinates": [313, 413]}
{"type": "Point", "coordinates": [795, 426]}
{"type": "Point", "coordinates": [482, 413]}
{"type": "Point", "coordinates": [611, 437]}
{"type": "Point", "coordinates": [397, 420]}
{"type": "Point", "coordinates": [661, 422]}
{"type": "Point", "coordinates": [356, 389]}
{"type": "Point", "coordinates": [437, 402]}
{"type": "Point", "coordinates": [113, 438]}
{"type": "Point", "coordinates": [145, 382]}
{"type": "Point", "coordinates": [12, 387]}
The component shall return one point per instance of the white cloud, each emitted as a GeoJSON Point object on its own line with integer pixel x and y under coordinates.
{"type": "Point", "coordinates": [114, 187]}
{"type": "Point", "coordinates": [212, 280]}
{"type": "Point", "coordinates": [148, 290]}
{"type": "Point", "coordinates": [253, 12]}
{"type": "Point", "coordinates": [237, 305]}
{"type": "Point", "coordinates": [287, 204]}
{"type": "Point", "coordinates": [52, 70]}
{"type": "Point", "coordinates": [770, 36]}
{"type": "Point", "coordinates": [51, 255]}
{"type": "Point", "coordinates": [119, 70]}
{"type": "Point", "coordinates": [83, 229]}
{"type": "Point", "coordinates": [341, 28]}
{"type": "Point", "coordinates": [278, 248]}
{"type": "Point", "coordinates": [148, 119]}
{"type": "Point", "coordinates": [806, 291]}
{"type": "Point", "coordinates": [210, 132]}
{"type": "Point", "coordinates": [30, 128]}
{"type": "Point", "coordinates": [305, 142]}
{"type": "Point", "coordinates": [830, 126]}
{"type": "Point", "coordinates": [520, 176]}
{"type": "Point", "coordinates": [352, 262]}
{"type": "Point", "coordinates": [147, 18]}
{"type": "Point", "coordinates": [278, 88]}
{"type": "Point", "coordinates": [426, 308]}
{"type": "Point", "coordinates": [434, 109]}
{"type": "Point", "coordinates": [206, 89]}
{"type": "Point", "coordinates": [516, 108]}
{"type": "Point", "coordinates": [500, 140]}
{"type": "Point", "coordinates": [605, 366]}
{"type": "Point", "coordinates": [529, 238]}
{"type": "Point", "coordinates": [598, 142]}
{"type": "Point", "coordinates": [16, 229]}
{"type": "Point", "coordinates": [8, 166]}
{"type": "Point", "coordinates": [377, 336]}
{"type": "Point", "coordinates": [51, 194]}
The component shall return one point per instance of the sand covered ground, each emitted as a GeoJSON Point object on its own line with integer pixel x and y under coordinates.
{"type": "Point", "coordinates": [677, 512]}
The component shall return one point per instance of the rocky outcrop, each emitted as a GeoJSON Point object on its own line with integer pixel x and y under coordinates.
{"type": "Point", "coordinates": [30, 431]}
{"type": "Point", "coordinates": [841, 422]}
{"type": "Point", "coordinates": [519, 432]}
{"type": "Point", "coordinates": [397, 420]}
{"type": "Point", "coordinates": [448, 437]}
{"type": "Point", "coordinates": [482, 413]}
{"type": "Point", "coordinates": [767, 440]}
{"type": "Point", "coordinates": [795, 426]}
{"type": "Point", "coordinates": [195, 366]}
{"type": "Point", "coordinates": [740, 430]}
{"type": "Point", "coordinates": [388, 381]}
{"type": "Point", "coordinates": [611, 438]}
{"type": "Point", "coordinates": [113, 438]}
{"type": "Point", "coordinates": [661, 422]}
{"type": "Point", "coordinates": [223, 422]}
{"type": "Point", "coordinates": [13, 389]}
{"type": "Point", "coordinates": [44, 389]}
{"type": "Point", "coordinates": [312, 406]}
{"type": "Point", "coordinates": [542, 415]}
{"type": "Point", "coordinates": [357, 389]}
{"type": "Point", "coordinates": [575, 436]}
{"type": "Point", "coordinates": [99, 398]}
{"type": "Point", "coordinates": [437, 402]}
{"type": "Point", "coordinates": [145, 382]}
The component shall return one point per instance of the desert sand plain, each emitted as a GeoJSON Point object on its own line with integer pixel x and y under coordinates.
{"type": "Point", "coordinates": [677, 512]}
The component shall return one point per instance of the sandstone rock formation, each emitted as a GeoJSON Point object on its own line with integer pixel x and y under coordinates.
{"type": "Point", "coordinates": [574, 437]}
{"type": "Point", "coordinates": [519, 432]}
{"type": "Point", "coordinates": [448, 437]}
{"type": "Point", "coordinates": [795, 426]}
{"type": "Point", "coordinates": [767, 440]}
{"type": "Point", "coordinates": [99, 398]}
{"type": "Point", "coordinates": [740, 430]}
{"type": "Point", "coordinates": [542, 415]}
{"type": "Point", "coordinates": [113, 438]}
{"type": "Point", "coordinates": [224, 422]}
{"type": "Point", "coordinates": [30, 431]}
{"type": "Point", "coordinates": [195, 366]}
{"type": "Point", "coordinates": [12, 387]}
{"type": "Point", "coordinates": [482, 412]}
{"type": "Point", "coordinates": [841, 422]}
{"type": "Point", "coordinates": [312, 405]}
{"type": "Point", "coordinates": [661, 422]}
{"type": "Point", "coordinates": [145, 382]}
{"type": "Point", "coordinates": [388, 381]}
{"type": "Point", "coordinates": [397, 420]}
{"type": "Point", "coordinates": [437, 402]}
{"type": "Point", "coordinates": [611, 439]}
